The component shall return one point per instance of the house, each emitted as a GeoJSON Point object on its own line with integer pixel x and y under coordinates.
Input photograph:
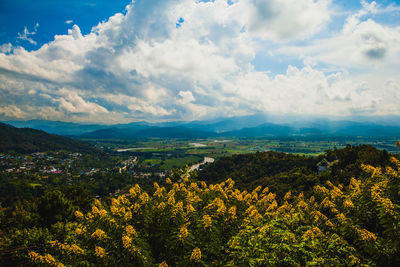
{"type": "Point", "coordinates": [323, 166]}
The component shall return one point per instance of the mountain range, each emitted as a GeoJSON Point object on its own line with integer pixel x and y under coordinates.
{"type": "Point", "coordinates": [253, 126]}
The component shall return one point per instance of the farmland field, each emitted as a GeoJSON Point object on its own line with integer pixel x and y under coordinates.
{"type": "Point", "coordinates": [166, 154]}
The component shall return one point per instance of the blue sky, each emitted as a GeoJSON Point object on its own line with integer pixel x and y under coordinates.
{"type": "Point", "coordinates": [117, 61]}
{"type": "Point", "coordinates": [54, 17]}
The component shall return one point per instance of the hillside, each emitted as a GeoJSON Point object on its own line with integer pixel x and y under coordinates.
{"type": "Point", "coordinates": [27, 140]}
{"type": "Point", "coordinates": [282, 172]}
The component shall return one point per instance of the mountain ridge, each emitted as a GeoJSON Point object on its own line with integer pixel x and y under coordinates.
{"type": "Point", "coordinates": [28, 140]}
{"type": "Point", "coordinates": [245, 126]}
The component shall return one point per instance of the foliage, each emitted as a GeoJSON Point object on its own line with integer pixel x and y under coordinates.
{"type": "Point", "coordinates": [190, 223]}
{"type": "Point", "coordinates": [339, 225]}
{"type": "Point", "coordinates": [302, 218]}
{"type": "Point", "coordinates": [248, 168]}
{"type": "Point", "coordinates": [282, 172]}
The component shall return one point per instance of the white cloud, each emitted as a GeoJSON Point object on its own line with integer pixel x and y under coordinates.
{"type": "Point", "coordinates": [75, 32]}
{"type": "Point", "coordinates": [185, 97]}
{"type": "Point", "coordinates": [284, 20]}
{"type": "Point", "coordinates": [12, 111]}
{"type": "Point", "coordinates": [5, 48]}
{"type": "Point", "coordinates": [138, 106]}
{"type": "Point", "coordinates": [139, 65]}
{"type": "Point", "coordinates": [363, 44]}
{"type": "Point", "coordinates": [71, 102]}
{"type": "Point", "coordinates": [26, 34]}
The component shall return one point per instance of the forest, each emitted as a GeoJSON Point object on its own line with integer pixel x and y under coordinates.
{"type": "Point", "coordinates": [260, 209]}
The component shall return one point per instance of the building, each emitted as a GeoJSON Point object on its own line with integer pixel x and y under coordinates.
{"type": "Point", "coordinates": [323, 166]}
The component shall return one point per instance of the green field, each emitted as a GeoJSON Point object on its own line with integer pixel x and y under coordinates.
{"type": "Point", "coordinates": [166, 154]}
{"type": "Point", "coordinates": [180, 162]}
{"type": "Point", "coordinates": [152, 161]}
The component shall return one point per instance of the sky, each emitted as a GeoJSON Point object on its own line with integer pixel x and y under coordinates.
{"type": "Point", "coordinates": [164, 60]}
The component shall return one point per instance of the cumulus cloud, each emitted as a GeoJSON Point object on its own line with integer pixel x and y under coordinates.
{"type": "Point", "coordinates": [186, 97]}
{"type": "Point", "coordinates": [139, 65]}
{"type": "Point", "coordinates": [12, 111]}
{"type": "Point", "coordinates": [362, 44]}
{"type": "Point", "coordinates": [5, 48]}
{"type": "Point", "coordinates": [71, 102]}
{"type": "Point", "coordinates": [75, 32]}
{"type": "Point", "coordinates": [285, 20]}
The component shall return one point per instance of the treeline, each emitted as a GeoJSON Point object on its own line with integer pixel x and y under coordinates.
{"type": "Point", "coordinates": [21, 189]}
{"type": "Point", "coordinates": [282, 172]}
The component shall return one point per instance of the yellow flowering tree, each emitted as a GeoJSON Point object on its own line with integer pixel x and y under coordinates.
{"type": "Point", "coordinates": [190, 223]}
{"type": "Point", "coordinates": [338, 225]}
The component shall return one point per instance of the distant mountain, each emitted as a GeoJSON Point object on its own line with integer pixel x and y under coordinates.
{"type": "Point", "coordinates": [259, 125]}
{"type": "Point", "coordinates": [77, 129]}
{"type": "Point", "coordinates": [109, 133]}
{"type": "Point", "coordinates": [350, 128]}
{"type": "Point", "coordinates": [115, 132]}
{"type": "Point", "coordinates": [318, 129]}
{"type": "Point", "coordinates": [195, 130]}
{"type": "Point", "coordinates": [228, 124]}
{"type": "Point", "coordinates": [263, 130]}
{"type": "Point", "coordinates": [174, 132]}
{"type": "Point", "coordinates": [89, 130]}
{"type": "Point", "coordinates": [147, 132]}
{"type": "Point", "coordinates": [57, 127]}
{"type": "Point", "coordinates": [27, 140]}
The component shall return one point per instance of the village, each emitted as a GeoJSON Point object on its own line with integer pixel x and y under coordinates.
{"type": "Point", "coordinates": [44, 165]}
